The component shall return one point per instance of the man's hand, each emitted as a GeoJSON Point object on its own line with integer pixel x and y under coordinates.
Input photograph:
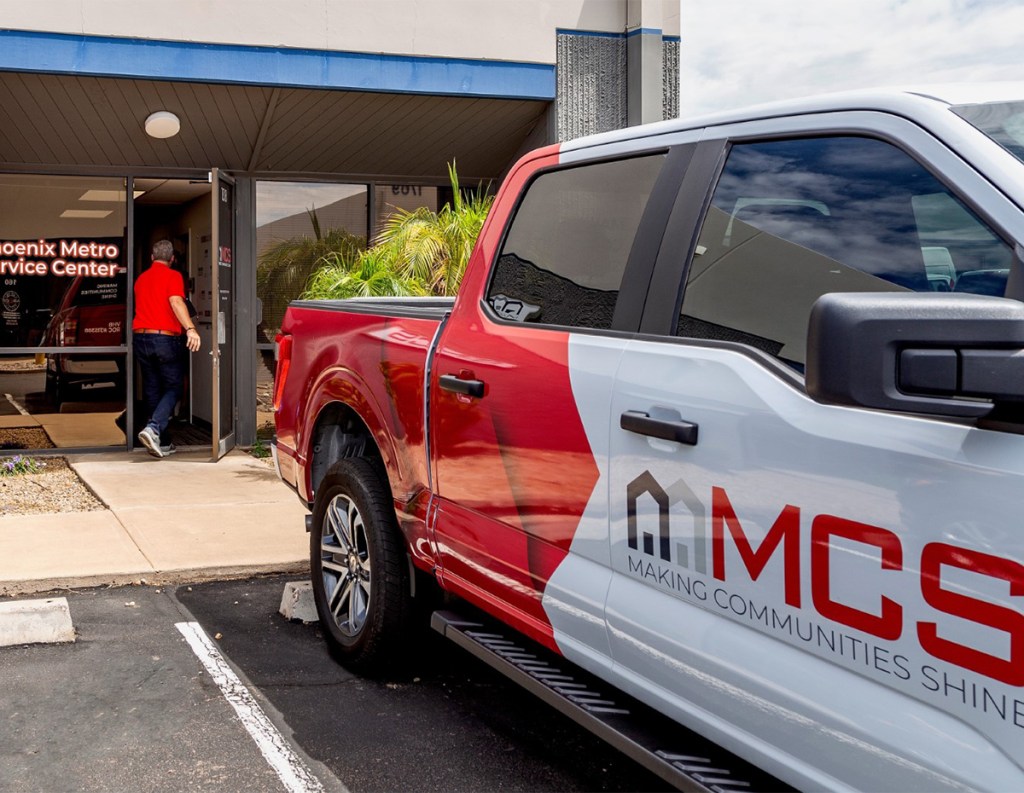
{"type": "Point", "coordinates": [181, 312]}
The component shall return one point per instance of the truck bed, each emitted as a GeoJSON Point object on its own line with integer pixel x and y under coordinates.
{"type": "Point", "coordinates": [384, 344]}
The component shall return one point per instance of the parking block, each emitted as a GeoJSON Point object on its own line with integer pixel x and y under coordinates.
{"type": "Point", "coordinates": [46, 621]}
{"type": "Point", "coordinates": [297, 602]}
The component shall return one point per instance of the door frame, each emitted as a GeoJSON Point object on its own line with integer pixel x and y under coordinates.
{"type": "Point", "coordinates": [223, 438]}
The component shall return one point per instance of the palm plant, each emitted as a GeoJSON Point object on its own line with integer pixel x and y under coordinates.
{"type": "Point", "coordinates": [371, 275]}
{"type": "Point", "coordinates": [433, 248]}
{"type": "Point", "coordinates": [418, 252]}
{"type": "Point", "coordinates": [285, 267]}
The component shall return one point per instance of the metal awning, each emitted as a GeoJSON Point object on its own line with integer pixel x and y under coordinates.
{"type": "Point", "coordinates": [55, 121]}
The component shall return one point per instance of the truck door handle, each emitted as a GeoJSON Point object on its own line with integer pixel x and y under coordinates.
{"type": "Point", "coordinates": [643, 424]}
{"type": "Point", "coordinates": [452, 382]}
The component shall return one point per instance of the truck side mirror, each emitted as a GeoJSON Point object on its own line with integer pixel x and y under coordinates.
{"type": "Point", "coordinates": [938, 353]}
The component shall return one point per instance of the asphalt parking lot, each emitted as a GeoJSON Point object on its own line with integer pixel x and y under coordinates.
{"type": "Point", "coordinates": [129, 706]}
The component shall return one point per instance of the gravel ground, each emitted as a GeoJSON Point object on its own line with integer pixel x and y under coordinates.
{"type": "Point", "coordinates": [56, 488]}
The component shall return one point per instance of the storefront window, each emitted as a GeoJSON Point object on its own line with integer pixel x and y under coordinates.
{"type": "Point", "coordinates": [63, 283]}
{"type": "Point", "coordinates": [297, 224]}
{"type": "Point", "coordinates": [409, 197]}
{"type": "Point", "coordinates": [62, 263]}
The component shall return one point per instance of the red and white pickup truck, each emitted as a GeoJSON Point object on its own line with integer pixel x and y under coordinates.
{"type": "Point", "coordinates": [729, 415]}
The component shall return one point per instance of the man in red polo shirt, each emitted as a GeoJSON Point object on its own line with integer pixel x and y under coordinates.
{"type": "Point", "coordinates": [161, 317]}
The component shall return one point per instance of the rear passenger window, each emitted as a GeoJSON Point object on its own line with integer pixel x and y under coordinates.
{"type": "Point", "coordinates": [792, 220]}
{"type": "Point", "coordinates": [565, 254]}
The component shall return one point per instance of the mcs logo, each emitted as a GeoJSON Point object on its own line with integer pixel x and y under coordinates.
{"type": "Point", "coordinates": [908, 575]}
{"type": "Point", "coordinates": [667, 550]}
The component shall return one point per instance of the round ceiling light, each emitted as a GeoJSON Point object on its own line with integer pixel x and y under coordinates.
{"type": "Point", "coordinates": [162, 124]}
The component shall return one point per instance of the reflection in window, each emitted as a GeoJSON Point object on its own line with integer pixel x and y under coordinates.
{"type": "Point", "coordinates": [62, 261]}
{"type": "Point", "coordinates": [388, 198]}
{"type": "Point", "coordinates": [1001, 121]}
{"type": "Point", "coordinates": [297, 224]}
{"type": "Point", "coordinates": [63, 284]}
{"type": "Point", "coordinates": [793, 220]}
{"type": "Point", "coordinates": [61, 400]}
{"type": "Point", "coordinates": [565, 254]}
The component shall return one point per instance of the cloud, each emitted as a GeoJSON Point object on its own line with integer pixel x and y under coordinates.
{"type": "Point", "coordinates": [741, 52]}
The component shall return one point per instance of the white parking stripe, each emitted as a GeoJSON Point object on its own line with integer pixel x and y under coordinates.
{"type": "Point", "coordinates": [275, 749]}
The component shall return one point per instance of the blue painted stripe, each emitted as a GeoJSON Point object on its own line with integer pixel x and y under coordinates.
{"type": "Point", "coordinates": [676, 39]}
{"type": "Point", "coordinates": [102, 56]}
{"type": "Point", "coordinates": [643, 32]}
{"type": "Point", "coordinates": [597, 34]}
{"type": "Point", "coordinates": [603, 34]}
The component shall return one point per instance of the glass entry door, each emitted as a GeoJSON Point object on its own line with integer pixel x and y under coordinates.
{"type": "Point", "coordinates": [223, 311]}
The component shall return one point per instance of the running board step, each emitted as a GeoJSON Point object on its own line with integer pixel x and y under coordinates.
{"type": "Point", "coordinates": [680, 756]}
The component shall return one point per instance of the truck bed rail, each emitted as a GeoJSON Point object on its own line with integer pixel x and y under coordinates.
{"type": "Point", "coordinates": [412, 307]}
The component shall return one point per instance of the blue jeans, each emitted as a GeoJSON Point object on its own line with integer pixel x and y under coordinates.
{"type": "Point", "coordinates": [161, 360]}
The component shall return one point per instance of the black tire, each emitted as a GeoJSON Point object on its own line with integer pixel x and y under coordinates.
{"type": "Point", "coordinates": [359, 569]}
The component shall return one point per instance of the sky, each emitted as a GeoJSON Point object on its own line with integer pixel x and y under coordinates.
{"type": "Point", "coordinates": [740, 52]}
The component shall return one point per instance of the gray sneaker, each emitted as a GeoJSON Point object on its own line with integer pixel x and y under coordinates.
{"type": "Point", "coordinates": [169, 449]}
{"type": "Point", "coordinates": [151, 441]}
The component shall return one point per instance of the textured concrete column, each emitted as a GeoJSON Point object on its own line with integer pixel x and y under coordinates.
{"type": "Point", "coordinates": [591, 83]}
{"type": "Point", "coordinates": [626, 72]}
{"type": "Point", "coordinates": [670, 75]}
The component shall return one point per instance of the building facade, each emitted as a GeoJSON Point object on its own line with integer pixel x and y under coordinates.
{"type": "Point", "coordinates": [248, 132]}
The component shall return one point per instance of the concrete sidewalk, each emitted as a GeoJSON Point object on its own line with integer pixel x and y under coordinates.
{"type": "Point", "coordinates": [176, 519]}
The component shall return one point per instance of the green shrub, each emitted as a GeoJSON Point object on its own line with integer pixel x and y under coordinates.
{"type": "Point", "coordinates": [433, 248]}
{"type": "Point", "coordinates": [371, 275]}
{"type": "Point", "coordinates": [418, 252]}
{"type": "Point", "coordinates": [259, 449]}
{"type": "Point", "coordinates": [285, 268]}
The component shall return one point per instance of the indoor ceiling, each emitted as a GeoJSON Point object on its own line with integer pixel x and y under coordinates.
{"type": "Point", "coordinates": [72, 120]}
{"type": "Point", "coordinates": [169, 191]}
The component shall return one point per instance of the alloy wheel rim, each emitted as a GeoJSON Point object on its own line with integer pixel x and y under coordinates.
{"type": "Point", "coordinates": [345, 565]}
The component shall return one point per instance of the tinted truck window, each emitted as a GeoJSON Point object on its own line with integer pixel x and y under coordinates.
{"type": "Point", "coordinates": [567, 247]}
{"type": "Point", "coordinates": [792, 220]}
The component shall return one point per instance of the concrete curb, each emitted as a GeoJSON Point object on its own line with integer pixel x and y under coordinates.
{"type": "Point", "coordinates": [35, 622]}
{"type": "Point", "coordinates": [154, 578]}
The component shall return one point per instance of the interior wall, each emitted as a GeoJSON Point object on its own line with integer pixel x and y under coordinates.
{"type": "Point", "coordinates": [195, 221]}
{"type": "Point", "coordinates": [188, 226]}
